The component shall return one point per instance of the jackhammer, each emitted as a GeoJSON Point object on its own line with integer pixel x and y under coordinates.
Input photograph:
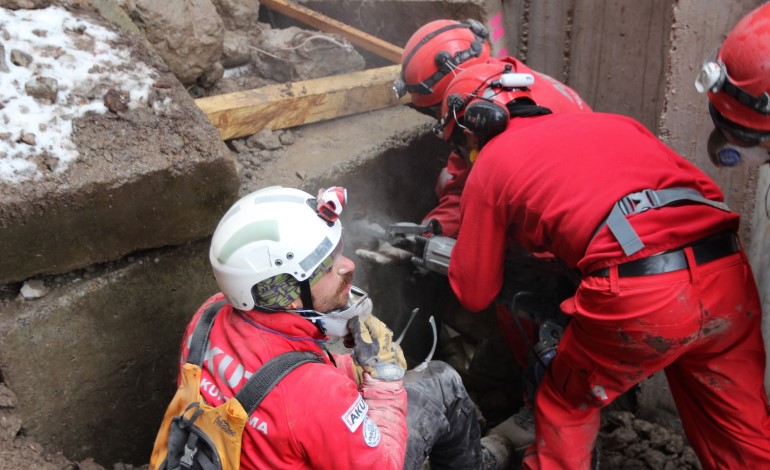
{"type": "Point", "coordinates": [537, 320]}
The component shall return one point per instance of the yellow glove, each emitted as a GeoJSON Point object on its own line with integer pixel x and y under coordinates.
{"type": "Point", "coordinates": [374, 350]}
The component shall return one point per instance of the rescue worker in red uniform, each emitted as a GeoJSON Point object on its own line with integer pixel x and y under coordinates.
{"type": "Point", "coordinates": [665, 284]}
{"type": "Point", "coordinates": [432, 57]}
{"type": "Point", "coordinates": [277, 258]}
{"type": "Point", "coordinates": [737, 80]}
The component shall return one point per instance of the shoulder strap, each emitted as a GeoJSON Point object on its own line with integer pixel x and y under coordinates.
{"type": "Point", "coordinates": [201, 333]}
{"type": "Point", "coordinates": [268, 376]}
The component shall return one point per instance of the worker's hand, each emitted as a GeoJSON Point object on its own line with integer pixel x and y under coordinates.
{"type": "Point", "coordinates": [385, 254]}
{"type": "Point", "coordinates": [374, 350]}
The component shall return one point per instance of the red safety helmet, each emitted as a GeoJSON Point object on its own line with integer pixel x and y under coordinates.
{"type": "Point", "coordinates": [432, 54]}
{"type": "Point", "coordinates": [476, 99]}
{"type": "Point", "coordinates": [738, 79]}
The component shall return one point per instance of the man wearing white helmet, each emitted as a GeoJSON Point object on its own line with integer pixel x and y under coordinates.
{"type": "Point", "coordinates": [277, 256]}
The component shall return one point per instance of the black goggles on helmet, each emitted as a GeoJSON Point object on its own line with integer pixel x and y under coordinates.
{"type": "Point", "coordinates": [735, 133]}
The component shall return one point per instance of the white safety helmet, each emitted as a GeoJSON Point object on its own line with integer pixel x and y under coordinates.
{"type": "Point", "coordinates": [269, 232]}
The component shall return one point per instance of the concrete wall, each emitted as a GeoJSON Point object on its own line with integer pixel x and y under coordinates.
{"type": "Point", "coordinates": [759, 253]}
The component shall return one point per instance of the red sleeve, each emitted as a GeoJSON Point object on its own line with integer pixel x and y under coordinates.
{"type": "Point", "coordinates": [476, 268]}
{"type": "Point", "coordinates": [449, 189]}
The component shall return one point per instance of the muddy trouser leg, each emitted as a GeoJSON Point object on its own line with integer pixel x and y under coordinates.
{"type": "Point", "coordinates": [441, 420]}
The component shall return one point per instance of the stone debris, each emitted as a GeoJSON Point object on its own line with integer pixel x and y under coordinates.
{"type": "Point", "coordinates": [43, 89]}
{"type": "Point", "coordinates": [237, 14]}
{"type": "Point", "coordinates": [28, 139]}
{"type": "Point", "coordinates": [236, 50]}
{"type": "Point", "coordinates": [293, 54]}
{"type": "Point", "coordinates": [10, 423]}
{"type": "Point", "coordinates": [287, 137]}
{"type": "Point", "coordinates": [116, 101]}
{"type": "Point", "coordinates": [189, 43]}
{"type": "Point", "coordinates": [20, 58]}
{"type": "Point", "coordinates": [33, 289]}
{"type": "Point", "coordinates": [212, 75]}
{"type": "Point", "coordinates": [27, 4]}
{"type": "Point", "coordinates": [631, 443]}
{"type": "Point", "coordinates": [264, 140]}
{"type": "Point", "coordinates": [65, 64]}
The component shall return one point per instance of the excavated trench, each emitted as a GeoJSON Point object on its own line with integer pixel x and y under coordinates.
{"type": "Point", "coordinates": [88, 356]}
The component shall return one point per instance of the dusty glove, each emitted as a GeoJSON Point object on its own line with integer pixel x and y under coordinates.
{"type": "Point", "coordinates": [374, 350]}
{"type": "Point", "coordinates": [385, 254]}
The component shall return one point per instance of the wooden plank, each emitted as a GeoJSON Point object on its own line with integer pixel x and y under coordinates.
{"type": "Point", "coordinates": [356, 37]}
{"type": "Point", "coordinates": [292, 104]}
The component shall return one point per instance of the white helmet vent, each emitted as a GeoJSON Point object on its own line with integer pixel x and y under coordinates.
{"type": "Point", "coordinates": [262, 199]}
{"type": "Point", "coordinates": [259, 230]}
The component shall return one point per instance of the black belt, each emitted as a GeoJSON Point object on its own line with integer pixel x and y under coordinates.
{"type": "Point", "coordinates": [709, 249]}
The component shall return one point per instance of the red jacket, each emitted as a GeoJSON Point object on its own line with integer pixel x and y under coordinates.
{"type": "Point", "coordinates": [547, 92]}
{"type": "Point", "coordinates": [550, 181]}
{"type": "Point", "coordinates": [313, 418]}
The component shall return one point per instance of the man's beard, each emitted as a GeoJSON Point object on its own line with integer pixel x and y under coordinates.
{"type": "Point", "coordinates": [345, 282]}
{"type": "Point", "coordinates": [338, 300]}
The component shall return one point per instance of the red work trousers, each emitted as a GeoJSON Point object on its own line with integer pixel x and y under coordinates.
{"type": "Point", "coordinates": [701, 325]}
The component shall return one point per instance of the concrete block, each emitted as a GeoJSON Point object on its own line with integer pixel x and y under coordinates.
{"type": "Point", "coordinates": [149, 175]}
{"type": "Point", "coordinates": [93, 363]}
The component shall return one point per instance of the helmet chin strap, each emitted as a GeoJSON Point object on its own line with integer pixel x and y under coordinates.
{"type": "Point", "coordinates": [305, 296]}
{"type": "Point", "coordinates": [307, 306]}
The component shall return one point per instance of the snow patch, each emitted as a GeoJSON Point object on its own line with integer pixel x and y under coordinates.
{"type": "Point", "coordinates": [77, 54]}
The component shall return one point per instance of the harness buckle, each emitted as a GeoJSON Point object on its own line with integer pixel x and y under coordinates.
{"type": "Point", "coordinates": [638, 202]}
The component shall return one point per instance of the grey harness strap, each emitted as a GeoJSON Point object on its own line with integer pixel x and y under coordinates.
{"type": "Point", "coordinates": [641, 201]}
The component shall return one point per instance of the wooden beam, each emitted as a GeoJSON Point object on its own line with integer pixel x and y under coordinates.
{"type": "Point", "coordinates": [324, 23]}
{"type": "Point", "coordinates": [295, 103]}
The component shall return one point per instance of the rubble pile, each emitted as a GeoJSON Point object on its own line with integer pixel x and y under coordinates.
{"type": "Point", "coordinates": [629, 443]}
{"type": "Point", "coordinates": [216, 46]}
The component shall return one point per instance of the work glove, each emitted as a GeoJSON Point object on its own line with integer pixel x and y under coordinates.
{"type": "Point", "coordinates": [374, 351]}
{"type": "Point", "coordinates": [386, 254]}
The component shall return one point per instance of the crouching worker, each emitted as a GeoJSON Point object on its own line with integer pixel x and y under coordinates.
{"type": "Point", "coordinates": [277, 257]}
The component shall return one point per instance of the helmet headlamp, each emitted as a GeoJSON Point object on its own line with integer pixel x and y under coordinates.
{"type": "Point", "coordinates": [713, 78]}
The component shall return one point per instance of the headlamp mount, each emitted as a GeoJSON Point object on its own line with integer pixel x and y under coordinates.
{"type": "Point", "coordinates": [713, 78]}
